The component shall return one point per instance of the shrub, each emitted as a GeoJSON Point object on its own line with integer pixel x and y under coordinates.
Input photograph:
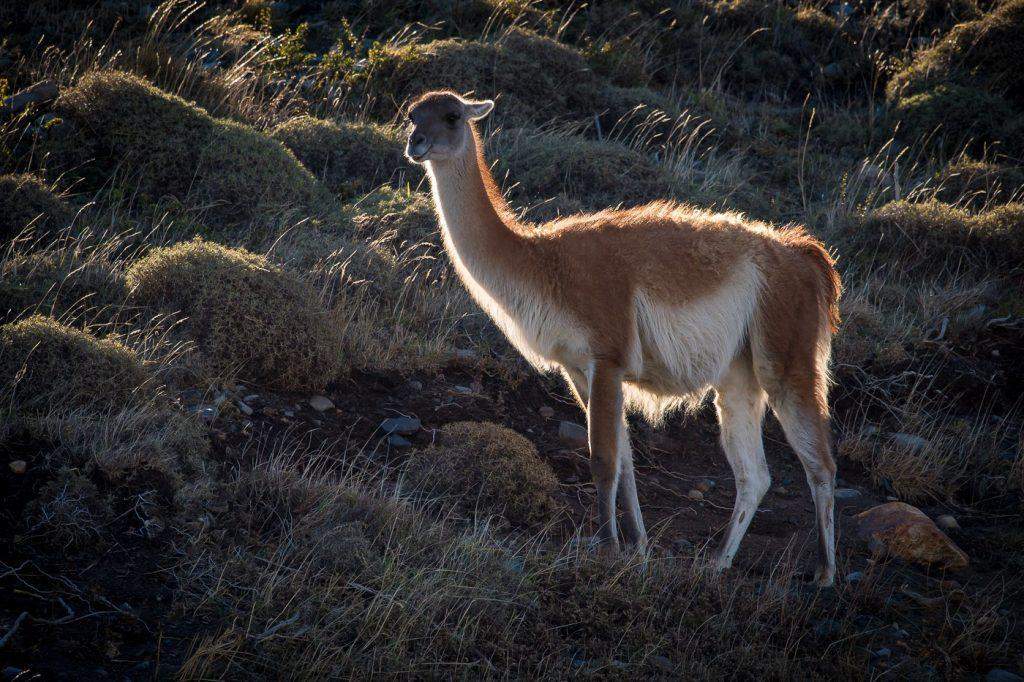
{"type": "Point", "coordinates": [954, 114]}
{"type": "Point", "coordinates": [592, 173]}
{"type": "Point", "coordinates": [44, 363]}
{"type": "Point", "coordinates": [24, 201]}
{"type": "Point", "coordinates": [62, 283]}
{"type": "Point", "coordinates": [980, 56]}
{"type": "Point", "coordinates": [489, 468]}
{"type": "Point", "coordinates": [537, 78]}
{"type": "Point", "coordinates": [977, 184]}
{"type": "Point", "coordinates": [245, 314]}
{"type": "Point", "coordinates": [171, 148]}
{"type": "Point", "coordinates": [931, 237]}
{"type": "Point", "coordinates": [350, 158]}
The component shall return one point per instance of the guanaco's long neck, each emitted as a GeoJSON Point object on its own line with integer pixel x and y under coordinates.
{"type": "Point", "coordinates": [477, 224]}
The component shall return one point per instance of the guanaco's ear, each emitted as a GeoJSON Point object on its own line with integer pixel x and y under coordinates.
{"type": "Point", "coordinates": [478, 109]}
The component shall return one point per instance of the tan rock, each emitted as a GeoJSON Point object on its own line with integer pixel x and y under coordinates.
{"type": "Point", "coordinates": [908, 533]}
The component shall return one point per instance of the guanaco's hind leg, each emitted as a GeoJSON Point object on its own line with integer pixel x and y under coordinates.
{"type": "Point", "coordinates": [632, 523]}
{"type": "Point", "coordinates": [740, 402]}
{"type": "Point", "coordinates": [807, 431]}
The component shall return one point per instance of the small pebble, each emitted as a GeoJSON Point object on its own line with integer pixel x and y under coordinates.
{"type": "Point", "coordinates": [244, 409]}
{"type": "Point", "coordinates": [780, 490]}
{"type": "Point", "coordinates": [704, 485]}
{"type": "Point", "coordinates": [415, 385]}
{"type": "Point", "coordinates": [854, 577]}
{"type": "Point", "coordinates": [695, 495]}
{"type": "Point", "coordinates": [19, 466]}
{"type": "Point", "coordinates": [845, 494]}
{"type": "Point", "coordinates": [884, 652]}
{"type": "Point", "coordinates": [546, 411]}
{"type": "Point", "coordinates": [321, 403]}
{"type": "Point", "coordinates": [947, 522]}
{"type": "Point", "coordinates": [1000, 675]}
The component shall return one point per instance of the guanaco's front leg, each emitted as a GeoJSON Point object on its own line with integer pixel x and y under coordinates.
{"type": "Point", "coordinates": [604, 423]}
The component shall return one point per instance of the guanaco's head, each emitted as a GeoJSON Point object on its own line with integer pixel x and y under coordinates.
{"type": "Point", "coordinates": [440, 125]}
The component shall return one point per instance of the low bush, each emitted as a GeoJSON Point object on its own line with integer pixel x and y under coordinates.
{"type": "Point", "coordinates": [933, 237]}
{"type": "Point", "coordinates": [248, 317]}
{"type": "Point", "coordinates": [26, 201]}
{"type": "Point", "coordinates": [44, 363]}
{"type": "Point", "coordinates": [491, 469]}
{"type": "Point", "coordinates": [165, 147]}
{"type": "Point", "coordinates": [350, 158]}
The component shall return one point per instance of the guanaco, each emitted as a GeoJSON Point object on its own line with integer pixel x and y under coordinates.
{"type": "Point", "coordinates": [648, 309]}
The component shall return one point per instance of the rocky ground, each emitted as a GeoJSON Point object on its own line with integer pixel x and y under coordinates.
{"type": "Point", "coordinates": [252, 426]}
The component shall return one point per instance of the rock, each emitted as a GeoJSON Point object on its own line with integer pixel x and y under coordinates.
{"type": "Point", "coordinates": [1000, 675]}
{"type": "Point", "coordinates": [546, 411]}
{"type": "Point", "coordinates": [907, 532]}
{"type": "Point", "coordinates": [573, 434]}
{"type": "Point", "coordinates": [464, 390]}
{"type": "Point", "coordinates": [780, 490]}
{"type": "Point", "coordinates": [402, 425]}
{"type": "Point", "coordinates": [854, 577]}
{"type": "Point", "coordinates": [18, 466]}
{"type": "Point", "coordinates": [884, 652]}
{"type": "Point", "coordinates": [396, 441]}
{"type": "Point", "coordinates": [662, 663]}
{"type": "Point", "coordinates": [244, 409]}
{"type": "Point", "coordinates": [415, 385]}
{"type": "Point", "coordinates": [947, 522]}
{"type": "Point", "coordinates": [43, 91]}
{"type": "Point", "coordinates": [682, 546]}
{"type": "Point", "coordinates": [695, 495]}
{"type": "Point", "coordinates": [465, 356]}
{"type": "Point", "coordinates": [320, 403]}
{"type": "Point", "coordinates": [846, 494]}
{"type": "Point", "coordinates": [832, 70]}
{"type": "Point", "coordinates": [909, 442]}
{"type": "Point", "coordinates": [704, 485]}
{"type": "Point", "coordinates": [207, 413]}
{"type": "Point", "coordinates": [870, 430]}
{"type": "Point", "coordinates": [289, 413]}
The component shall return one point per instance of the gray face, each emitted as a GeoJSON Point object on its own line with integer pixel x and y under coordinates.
{"type": "Point", "coordinates": [439, 126]}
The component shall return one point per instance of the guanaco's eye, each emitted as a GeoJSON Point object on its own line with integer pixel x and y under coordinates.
{"type": "Point", "coordinates": [451, 119]}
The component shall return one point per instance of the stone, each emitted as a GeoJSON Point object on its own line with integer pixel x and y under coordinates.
{"type": "Point", "coordinates": [207, 413]}
{"type": "Point", "coordinates": [415, 385]}
{"type": "Point", "coordinates": [947, 522]}
{"type": "Point", "coordinates": [573, 434]}
{"type": "Point", "coordinates": [464, 356]}
{"type": "Point", "coordinates": [43, 91]}
{"type": "Point", "coordinates": [682, 546]}
{"type": "Point", "coordinates": [907, 532]}
{"type": "Point", "coordinates": [908, 442]}
{"type": "Point", "coordinates": [1000, 675]}
{"type": "Point", "coordinates": [321, 403]}
{"type": "Point", "coordinates": [402, 425]}
{"type": "Point", "coordinates": [546, 411]}
{"type": "Point", "coordinates": [846, 494]}
{"type": "Point", "coordinates": [695, 495]}
{"type": "Point", "coordinates": [780, 490]}
{"type": "Point", "coordinates": [244, 409]}
{"type": "Point", "coordinates": [662, 663]}
{"type": "Point", "coordinates": [397, 441]}
{"type": "Point", "coordinates": [18, 466]}
{"type": "Point", "coordinates": [854, 577]}
{"type": "Point", "coordinates": [704, 485]}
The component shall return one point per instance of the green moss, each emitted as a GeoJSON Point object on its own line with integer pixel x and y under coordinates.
{"type": "Point", "coordinates": [247, 316]}
{"type": "Point", "coordinates": [165, 147]}
{"type": "Point", "coordinates": [490, 469]}
{"type": "Point", "coordinates": [45, 363]}
{"type": "Point", "coordinates": [350, 158]}
{"type": "Point", "coordinates": [25, 200]}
